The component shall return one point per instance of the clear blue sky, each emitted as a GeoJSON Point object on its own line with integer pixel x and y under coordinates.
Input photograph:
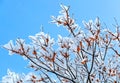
{"type": "Point", "coordinates": [21, 18]}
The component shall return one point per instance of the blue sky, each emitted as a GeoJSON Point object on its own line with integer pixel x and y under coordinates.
{"type": "Point", "coordinates": [21, 18]}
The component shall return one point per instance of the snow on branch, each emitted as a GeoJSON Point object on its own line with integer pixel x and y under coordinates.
{"type": "Point", "coordinates": [90, 54]}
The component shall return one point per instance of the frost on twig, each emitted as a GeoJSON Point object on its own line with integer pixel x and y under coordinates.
{"type": "Point", "coordinates": [89, 55]}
